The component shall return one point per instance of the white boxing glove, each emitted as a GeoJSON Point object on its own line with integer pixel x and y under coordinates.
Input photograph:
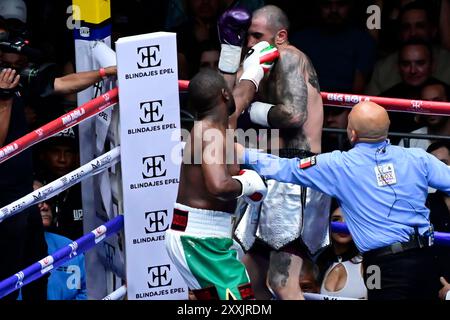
{"type": "Point", "coordinates": [254, 189]}
{"type": "Point", "coordinates": [259, 59]}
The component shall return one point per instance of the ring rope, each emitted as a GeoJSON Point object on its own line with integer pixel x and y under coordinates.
{"type": "Point", "coordinates": [67, 120]}
{"type": "Point", "coordinates": [43, 266]}
{"type": "Point", "coordinates": [117, 294]}
{"type": "Point", "coordinates": [391, 104]}
{"type": "Point", "coordinates": [440, 238]}
{"type": "Point", "coordinates": [317, 296]}
{"type": "Point", "coordinates": [53, 188]}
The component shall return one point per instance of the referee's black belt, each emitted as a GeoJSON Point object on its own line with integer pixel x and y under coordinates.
{"type": "Point", "coordinates": [416, 242]}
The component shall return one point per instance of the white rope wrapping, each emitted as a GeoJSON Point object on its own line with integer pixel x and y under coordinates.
{"type": "Point", "coordinates": [316, 296]}
{"type": "Point", "coordinates": [118, 294]}
{"type": "Point", "coordinates": [53, 188]}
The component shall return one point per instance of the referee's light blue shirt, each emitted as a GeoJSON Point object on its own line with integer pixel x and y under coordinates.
{"type": "Point", "coordinates": [381, 188]}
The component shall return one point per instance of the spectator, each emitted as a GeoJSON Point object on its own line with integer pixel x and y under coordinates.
{"type": "Point", "coordinates": [177, 10]}
{"type": "Point", "coordinates": [433, 90]}
{"type": "Point", "coordinates": [439, 205]}
{"type": "Point", "coordinates": [335, 118]}
{"type": "Point", "coordinates": [341, 263]}
{"type": "Point", "coordinates": [309, 277]}
{"type": "Point", "coordinates": [416, 22]}
{"type": "Point", "coordinates": [209, 55]}
{"type": "Point", "coordinates": [342, 54]}
{"type": "Point", "coordinates": [415, 63]}
{"type": "Point", "coordinates": [200, 26]}
{"type": "Point", "coordinates": [68, 281]}
{"type": "Point", "coordinates": [58, 156]}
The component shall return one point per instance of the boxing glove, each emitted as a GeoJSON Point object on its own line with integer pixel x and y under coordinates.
{"type": "Point", "coordinates": [232, 28]}
{"type": "Point", "coordinates": [259, 59]}
{"type": "Point", "coordinates": [254, 188]}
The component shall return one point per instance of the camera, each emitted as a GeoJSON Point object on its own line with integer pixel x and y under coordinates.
{"type": "Point", "coordinates": [35, 79]}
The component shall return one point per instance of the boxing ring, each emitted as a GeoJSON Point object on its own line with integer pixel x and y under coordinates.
{"type": "Point", "coordinates": [102, 105]}
{"type": "Point", "coordinates": [108, 159]}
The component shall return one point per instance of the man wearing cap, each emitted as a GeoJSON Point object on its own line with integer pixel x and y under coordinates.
{"type": "Point", "coordinates": [58, 156]}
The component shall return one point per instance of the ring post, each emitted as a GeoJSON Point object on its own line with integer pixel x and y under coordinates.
{"type": "Point", "coordinates": [150, 161]}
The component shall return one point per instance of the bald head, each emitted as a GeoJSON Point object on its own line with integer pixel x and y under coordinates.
{"type": "Point", "coordinates": [368, 122]}
{"type": "Point", "coordinates": [275, 17]}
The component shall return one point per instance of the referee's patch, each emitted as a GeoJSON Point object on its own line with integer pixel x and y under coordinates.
{"type": "Point", "coordinates": [305, 163]}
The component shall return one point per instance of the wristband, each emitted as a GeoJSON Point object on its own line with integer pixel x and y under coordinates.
{"type": "Point", "coordinates": [102, 73]}
{"type": "Point", "coordinates": [6, 94]}
{"type": "Point", "coordinates": [259, 113]}
{"type": "Point", "coordinates": [230, 58]}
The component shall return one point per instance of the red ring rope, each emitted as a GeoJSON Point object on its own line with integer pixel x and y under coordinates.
{"type": "Point", "coordinates": [65, 121]}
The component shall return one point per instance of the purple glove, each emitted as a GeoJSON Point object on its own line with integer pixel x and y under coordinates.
{"type": "Point", "coordinates": [232, 27]}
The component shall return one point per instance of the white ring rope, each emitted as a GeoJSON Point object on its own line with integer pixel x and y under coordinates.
{"type": "Point", "coordinates": [117, 294]}
{"type": "Point", "coordinates": [53, 188]}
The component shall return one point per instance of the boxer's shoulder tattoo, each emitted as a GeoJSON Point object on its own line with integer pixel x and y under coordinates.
{"type": "Point", "coordinates": [312, 75]}
{"type": "Point", "coordinates": [292, 92]}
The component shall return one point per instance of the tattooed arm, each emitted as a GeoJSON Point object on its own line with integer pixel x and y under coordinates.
{"type": "Point", "coordinates": [312, 127]}
{"type": "Point", "coordinates": [292, 91]}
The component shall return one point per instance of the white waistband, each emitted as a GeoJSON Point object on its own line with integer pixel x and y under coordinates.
{"type": "Point", "coordinates": [207, 223]}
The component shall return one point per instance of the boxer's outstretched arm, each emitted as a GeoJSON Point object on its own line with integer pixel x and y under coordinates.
{"type": "Point", "coordinates": [243, 94]}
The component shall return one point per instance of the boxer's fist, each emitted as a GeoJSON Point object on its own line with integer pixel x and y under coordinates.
{"type": "Point", "coordinates": [259, 59]}
{"type": "Point", "coordinates": [254, 189]}
{"type": "Point", "coordinates": [232, 27]}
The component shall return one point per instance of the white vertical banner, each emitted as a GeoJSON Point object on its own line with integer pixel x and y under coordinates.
{"type": "Point", "coordinates": [150, 136]}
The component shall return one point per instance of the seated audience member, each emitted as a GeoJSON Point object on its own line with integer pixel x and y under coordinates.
{"type": "Point", "coordinates": [209, 55]}
{"type": "Point", "coordinates": [58, 156]}
{"type": "Point", "coordinates": [200, 25]}
{"type": "Point", "coordinates": [341, 264]}
{"type": "Point", "coordinates": [335, 118]}
{"type": "Point", "coordinates": [415, 64]}
{"type": "Point", "coordinates": [416, 22]}
{"type": "Point", "coordinates": [432, 90]}
{"type": "Point", "coordinates": [68, 281]}
{"type": "Point", "coordinates": [310, 277]}
{"type": "Point", "coordinates": [342, 54]}
{"type": "Point", "coordinates": [439, 205]}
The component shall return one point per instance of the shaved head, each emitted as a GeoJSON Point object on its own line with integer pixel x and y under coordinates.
{"type": "Point", "coordinates": [275, 17]}
{"type": "Point", "coordinates": [368, 122]}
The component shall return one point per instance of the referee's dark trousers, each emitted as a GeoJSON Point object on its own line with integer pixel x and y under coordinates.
{"type": "Point", "coordinates": [408, 274]}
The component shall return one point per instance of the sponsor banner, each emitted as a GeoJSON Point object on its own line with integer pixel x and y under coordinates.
{"type": "Point", "coordinates": [149, 134]}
